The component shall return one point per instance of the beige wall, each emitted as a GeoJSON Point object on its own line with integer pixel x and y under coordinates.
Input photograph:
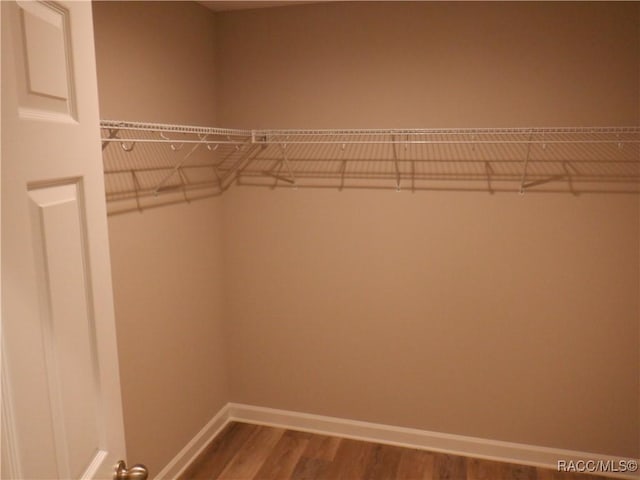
{"type": "Point", "coordinates": [155, 63]}
{"type": "Point", "coordinates": [498, 316]}
{"type": "Point", "coordinates": [416, 64]}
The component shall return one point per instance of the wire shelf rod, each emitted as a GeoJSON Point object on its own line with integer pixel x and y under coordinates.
{"type": "Point", "coordinates": [469, 161]}
{"type": "Point", "coordinates": [174, 141]}
{"type": "Point", "coordinates": [515, 175]}
{"type": "Point", "coordinates": [435, 188]}
{"type": "Point", "coordinates": [164, 127]}
{"type": "Point", "coordinates": [262, 136]}
{"type": "Point", "coordinates": [453, 131]}
{"type": "Point", "coordinates": [451, 142]}
{"type": "Point", "coordinates": [533, 180]}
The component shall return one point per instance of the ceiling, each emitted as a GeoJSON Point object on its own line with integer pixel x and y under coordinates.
{"type": "Point", "coordinates": [223, 6]}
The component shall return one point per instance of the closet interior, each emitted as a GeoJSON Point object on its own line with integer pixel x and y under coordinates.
{"type": "Point", "coordinates": [417, 214]}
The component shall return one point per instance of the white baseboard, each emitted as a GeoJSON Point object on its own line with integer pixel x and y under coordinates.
{"type": "Point", "coordinates": [374, 432]}
{"type": "Point", "coordinates": [421, 439]}
{"type": "Point", "coordinates": [195, 446]}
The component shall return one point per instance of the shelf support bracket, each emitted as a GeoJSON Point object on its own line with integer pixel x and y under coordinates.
{"type": "Point", "coordinates": [285, 160]}
{"type": "Point", "coordinates": [542, 181]}
{"type": "Point", "coordinates": [177, 167]}
{"type": "Point", "coordinates": [113, 133]}
{"type": "Point", "coordinates": [568, 171]}
{"type": "Point", "coordinates": [278, 166]}
{"type": "Point", "coordinates": [523, 185]}
{"type": "Point", "coordinates": [184, 181]}
{"type": "Point", "coordinates": [395, 161]}
{"type": "Point", "coordinates": [413, 176]}
{"type": "Point", "coordinates": [343, 170]}
{"type": "Point", "coordinates": [489, 170]}
{"type": "Point", "coordinates": [137, 187]}
{"type": "Point", "coordinates": [274, 172]}
{"type": "Point", "coordinates": [343, 167]}
{"type": "Point", "coordinates": [279, 177]}
{"type": "Point", "coordinates": [240, 164]}
{"type": "Point", "coordinates": [215, 172]}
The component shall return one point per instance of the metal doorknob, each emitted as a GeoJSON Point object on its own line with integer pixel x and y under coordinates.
{"type": "Point", "coordinates": [137, 472]}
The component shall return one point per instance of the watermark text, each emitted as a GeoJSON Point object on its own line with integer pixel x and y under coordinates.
{"type": "Point", "coordinates": [598, 466]}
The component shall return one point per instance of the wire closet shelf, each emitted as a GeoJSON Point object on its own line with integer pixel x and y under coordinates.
{"type": "Point", "coordinates": [574, 160]}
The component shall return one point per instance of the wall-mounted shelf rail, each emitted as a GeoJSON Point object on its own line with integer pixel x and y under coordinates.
{"type": "Point", "coordinates": [146, 159]}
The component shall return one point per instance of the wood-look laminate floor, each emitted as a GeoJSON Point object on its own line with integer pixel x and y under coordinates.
{"type": "Point", "coordinates": [244, 451]}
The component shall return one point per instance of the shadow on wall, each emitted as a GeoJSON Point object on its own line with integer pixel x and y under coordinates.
{"type": "Point", "coordinates": [150, 168]}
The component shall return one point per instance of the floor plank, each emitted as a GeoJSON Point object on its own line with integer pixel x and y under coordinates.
{"type": "Point", "coordinates": [351, 460]}
{"type": "Point", "coordinates": [248, 460]}
{"type": "Point", "coordinates": [415, 465]}
{"type": "Point", "coordinates": [282, 460]}
{"type": "Point", "coordinates": [544, 474]}
{"type": "Point", "coordinates": [484, 469]}
{"type": "Point", "coordinates": [449, 467]}
{"type": "Point", "coordinates": [310, 469]}
{"type": "Point", "coordinates": [519, 472]}
{"type": "Point", "coordinates": [322, 447]}
{"type": "Point", "coordinates": [383, 462]}
{"type": "Point", "coordinates": [224, 447]}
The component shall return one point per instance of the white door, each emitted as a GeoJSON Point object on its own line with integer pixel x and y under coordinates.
{"type": "Point", "coordinates": [61, 408]}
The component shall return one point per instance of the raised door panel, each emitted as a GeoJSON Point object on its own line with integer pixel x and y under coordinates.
{"type": "Point", "coordinates": [44, 61]}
